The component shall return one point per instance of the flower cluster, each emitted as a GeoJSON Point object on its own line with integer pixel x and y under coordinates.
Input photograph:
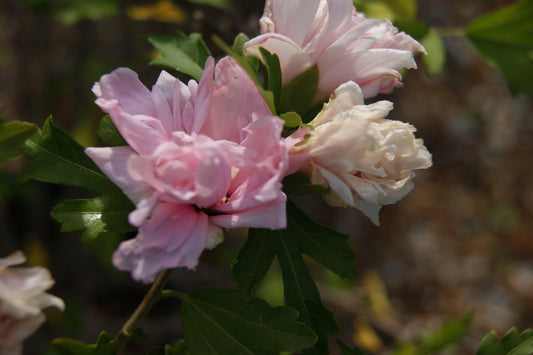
{"type": "Point", "coordinates": [211, 155]}
{"type": "Point", "coordinates": [22, 299]}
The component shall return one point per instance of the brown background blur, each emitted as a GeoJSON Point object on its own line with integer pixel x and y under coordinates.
{"type": "Point", "coordinates": [462, 240]}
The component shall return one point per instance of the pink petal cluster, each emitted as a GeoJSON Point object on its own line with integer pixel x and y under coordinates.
{"type": "Point", "coordinates": [365, 159]}
{"type": "Point", "coordinates": [22, 299]}
{"type": "Point", "coordinates": [201, 157]}
{"type": "Point", "coordinates": [341, 42]}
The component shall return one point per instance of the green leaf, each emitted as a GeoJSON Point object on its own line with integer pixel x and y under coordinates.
{"type": "Point", "coordinates": [415, 29]}
{"type": "Point", "coordinates": [104, 346]}
{"type": "Point", "coordinates": [107, 213]}
{"type": "Point", "coordinates": [221, 4]}
{"type": "Point", "coordinates": [511, 343]}
{"type": "Point", "coordinates": [447, 335]}
{"type": "Point", "coordinates": [435, 58]}
{"type": "Point", "coordinates": [179, 349]}
{"type": "Point", "coordinates": [301, 293]}
{"type": "Point", "coordinates": [346, 350]}
{"type": "Point", "coordinates": [504, 38]}
{"type": "Point", "coordinates": [222, 321]}
{"type": "Point", "coordinates": [139, 335]}
{"type": "Point", "coordinates": [325, 245]}
{"type": "Point", "coordinates": [182, 53]}
{"type": "Point", "coordinates": [274, 74]}
{"type": "Point", "coordinates": [299, 93]}
{"type": "Point", "coordinates": [292, 119]}
{"type": "Point", "coordinates": [57, 158]}
{"type": "Point", "coordinates": [249, 65]}
{"type": "Point", "coordinates": [12, 136]}
{"type": "Point", "coordinates": [299, 184]}
{"type": "Point", "coordinates": [254, 260]}
{"type": "Point", "coordinates": [109, 134]}
{"type": "Point", "coordinates": [73, 11]}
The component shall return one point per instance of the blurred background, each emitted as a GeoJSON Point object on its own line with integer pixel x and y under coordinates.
{"type": "Point", "coordinates": [461, 242]}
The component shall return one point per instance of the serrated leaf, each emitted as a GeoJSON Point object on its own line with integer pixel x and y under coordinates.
{"type": "Point", "coordinates": [346, 350]}
{"type": "Point", "coordinates": [273, 67]}
{"type": "Point", "coordinates": [104, 346]}
{"type": "Point", "coordinates": [109, 134]}
{"type": "Point", "coordinates": [254, 260]}
{"type": "Point", "coordinates": [512, 343]}
{"type": "Point", "coordinates": [107, 213]}
{"type": "Point", "coordinates": [299, 93]}
{"type": "Point", "coordinates": [182, 53]}
{"type": "Point", "coordinates": [436, 53]}
{"type": "Point", "coordinates": [12, 136]}
{"type": "Point", "coordinates": [222, 321]}
{"type": "Point", "coordinates": [139, 335]}
{"type": "Point", "coordinates": [301, 293]}
{"type": "Point", "coordinates": [57, 158]}
{"type": "Point", "coordinates": [179, 349]}
{"type": "Point", "coordinates": [504, 38]}
{"type": "Point", "coordinates": [325, 245]}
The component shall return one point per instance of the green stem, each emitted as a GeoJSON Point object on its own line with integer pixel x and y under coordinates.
{"type": "Point", "coordinates": [154, 294]}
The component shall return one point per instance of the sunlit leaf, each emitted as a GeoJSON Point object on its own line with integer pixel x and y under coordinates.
{"type": "Point", "coordinates": [57, 158]}
{"type": "Point", "coordinates": [104, 346]}
{"type": "Point", "coordinates": [107, 213]}
{"type": "Point", "coordinates": [222, 321]}
{"type": "Point", "coordinates": [512, 343]}
{"type": "Point", "coordinates": [12, 136]}
{"type": "Point", "coordinates": [504, 38]}
{"type": "Point", "coordinates": [182, 53]}
{"type": "Point", "coordinates": [160, 11]}
{"type": "Point", "coordinates": [254, 260]}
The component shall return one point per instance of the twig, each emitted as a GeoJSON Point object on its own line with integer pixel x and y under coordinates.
{"type": "Point", "coordinates": [153, 295]}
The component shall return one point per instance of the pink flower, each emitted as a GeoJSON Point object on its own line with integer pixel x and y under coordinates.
{"type": "Point", "coordinates": [201, 157]}
{"type": "Point", "coordinates": [22, 299]}
{"type": "Point", "coordinates": [365, 159]}
{"type": "Point", "coordinates": [343, 43]}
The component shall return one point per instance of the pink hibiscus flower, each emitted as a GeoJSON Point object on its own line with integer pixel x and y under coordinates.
{"type": "Point", "coordinates": [201, 157]}
{"type": "Point", "coordinates": [341, 42]}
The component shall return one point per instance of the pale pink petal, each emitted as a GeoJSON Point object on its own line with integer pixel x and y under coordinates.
{"type": "Point", "coordinates": [203, 96]}
{"type": "Point", "coordinates": [113, 161]}
{"type": "Point", "coordinates": [235, 99]}
{"type": "Point", "coordinates": [271, 215]}
{"type": "Point", "coordinates": [293, 60]}
{"type": "Point", "coordinates": [175, 236]}
{"type": "Point", "coordinates": [290, 18]}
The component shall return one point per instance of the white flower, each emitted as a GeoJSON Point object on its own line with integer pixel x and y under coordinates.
{"type": "Point", "coordinates": [366, 160]}
{"type": "Point", "coordinates": [22, 299]}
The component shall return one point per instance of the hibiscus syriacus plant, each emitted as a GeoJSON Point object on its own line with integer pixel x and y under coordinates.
{"type": "Point", "coordinates": [183, 162]}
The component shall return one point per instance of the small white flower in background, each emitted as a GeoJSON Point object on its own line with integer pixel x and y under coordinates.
{"type": "Point", "coordinates": [22, 299]}
{"type": "Point", "coordinates": [366, 160]}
